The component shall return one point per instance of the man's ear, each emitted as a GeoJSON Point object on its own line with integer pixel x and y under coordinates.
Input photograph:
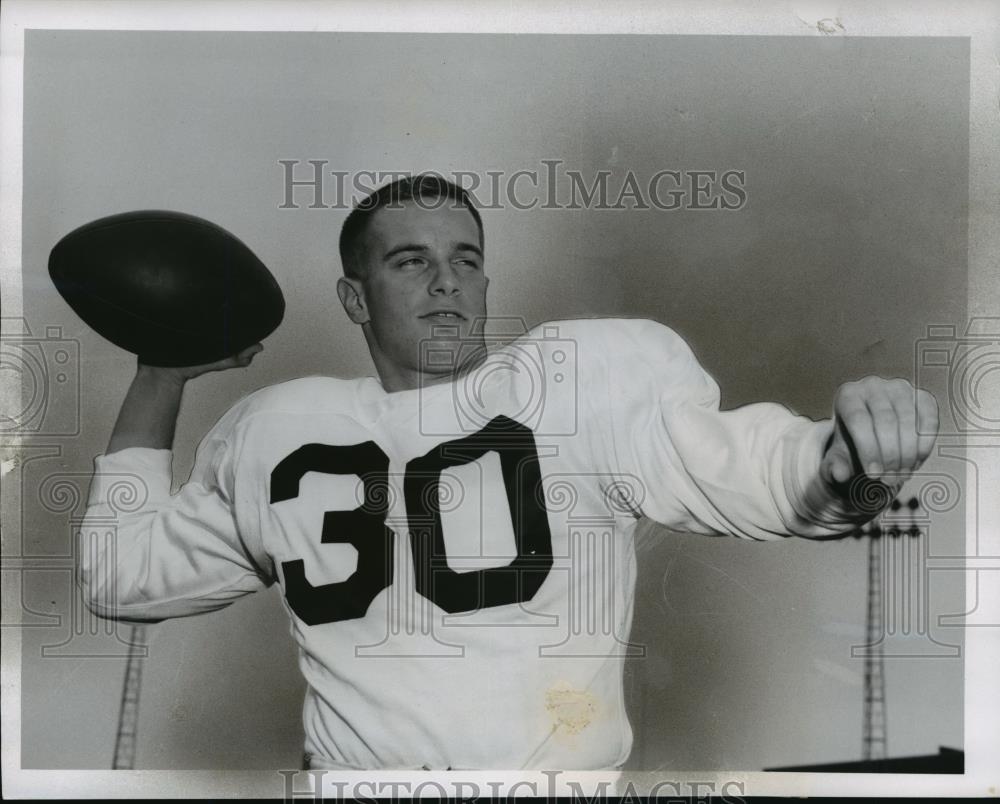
{"type": "Point", "coordinates": [352, 297]}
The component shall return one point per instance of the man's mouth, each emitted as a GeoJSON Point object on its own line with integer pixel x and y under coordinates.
{"type": "Point", "coordinates": [444, 315]}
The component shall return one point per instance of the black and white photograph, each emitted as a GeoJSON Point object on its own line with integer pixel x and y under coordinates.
{"type": "Point", "coordinates": [499, 400]}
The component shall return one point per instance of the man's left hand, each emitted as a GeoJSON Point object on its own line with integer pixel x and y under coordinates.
{"type": "Point", "coordinates": [884, 429]}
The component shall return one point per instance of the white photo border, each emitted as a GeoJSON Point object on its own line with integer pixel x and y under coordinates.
{"type": "Point", "coordinates": [977, 20]}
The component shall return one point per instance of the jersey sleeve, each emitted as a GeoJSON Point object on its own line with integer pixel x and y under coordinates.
{"type": "Point", "coordinates": [752, 472]}
{"type": "Point", "coordinates": [146, 555]}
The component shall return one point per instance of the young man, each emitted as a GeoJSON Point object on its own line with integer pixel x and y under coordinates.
{"type": "Point", "coordinates": [453, 540]}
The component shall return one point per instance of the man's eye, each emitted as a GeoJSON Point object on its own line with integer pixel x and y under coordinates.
{"type": "Point", "coordinates": [411, 261]}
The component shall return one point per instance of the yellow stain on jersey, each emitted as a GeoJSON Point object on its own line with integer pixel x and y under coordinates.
{"type": "Point", "coordinates": [572, 710]}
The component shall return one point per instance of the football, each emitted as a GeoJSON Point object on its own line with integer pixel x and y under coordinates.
{"type": "Point", "coordinates": [172, 288]}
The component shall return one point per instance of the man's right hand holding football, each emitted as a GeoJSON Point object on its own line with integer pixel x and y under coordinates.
{"type": "Point", "coordinates": [148, 415]}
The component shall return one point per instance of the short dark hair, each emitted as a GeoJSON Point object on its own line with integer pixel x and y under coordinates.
{"type": "Point", "coordinates": [422, 187]}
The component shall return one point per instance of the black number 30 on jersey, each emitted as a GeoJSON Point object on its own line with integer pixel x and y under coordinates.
{"type": "Point", "coordinates": [365, 529]}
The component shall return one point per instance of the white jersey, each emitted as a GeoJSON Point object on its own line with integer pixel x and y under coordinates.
{"type": "Point", "coordinates": [457, 561]}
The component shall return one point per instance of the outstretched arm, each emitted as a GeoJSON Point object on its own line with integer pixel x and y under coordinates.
{"type": "Point", "coordinates": [758, 471]}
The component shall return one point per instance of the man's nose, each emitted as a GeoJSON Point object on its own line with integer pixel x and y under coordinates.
{"type": "Point", "coordinates": [445, 280]}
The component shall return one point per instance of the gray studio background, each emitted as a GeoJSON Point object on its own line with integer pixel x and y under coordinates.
{"type": "Point", "coordinates": [851, 243]}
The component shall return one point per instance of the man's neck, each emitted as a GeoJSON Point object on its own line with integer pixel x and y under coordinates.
{"type": "Point", "coordinates": [395, 381]}
{"type": "Point", "coordinates": [394, 377]}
